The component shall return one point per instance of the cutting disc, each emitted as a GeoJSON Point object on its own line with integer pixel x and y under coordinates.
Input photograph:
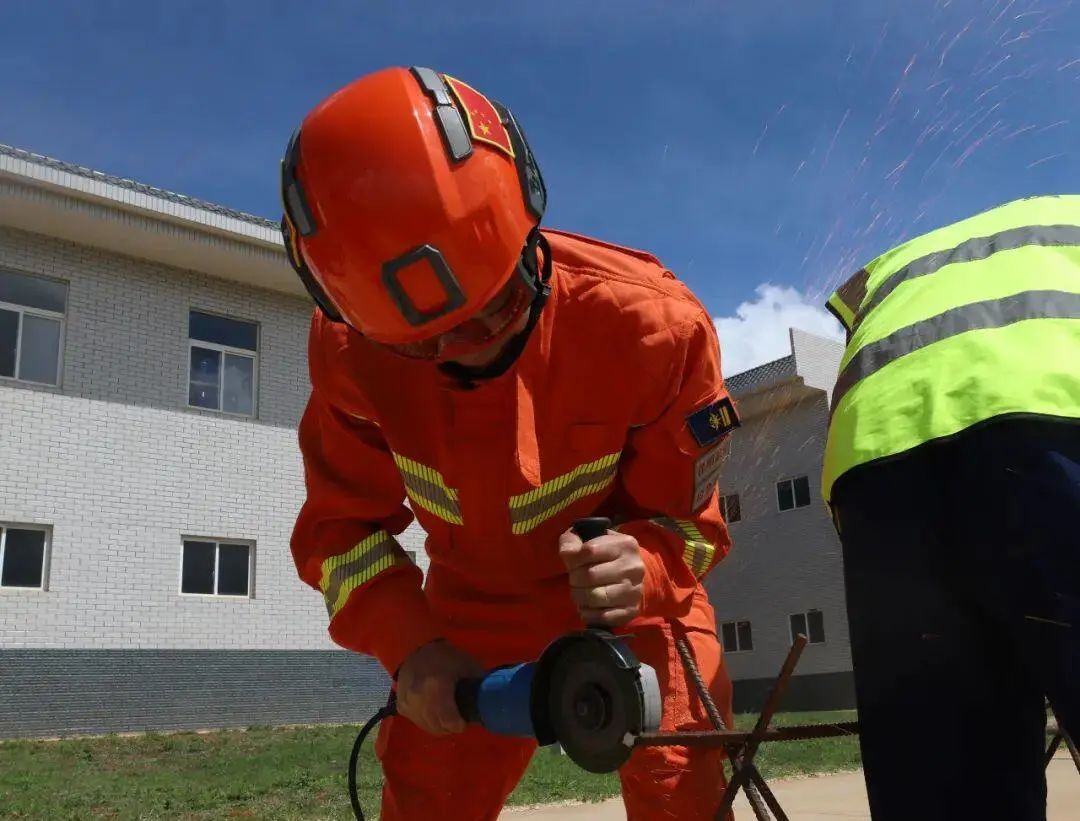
{"type": "Point", "coordinates": [598, 705]}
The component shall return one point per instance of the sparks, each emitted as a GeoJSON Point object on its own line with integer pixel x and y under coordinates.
{"type": "Point", "coordinates": [1046, 159]}
{"type": "Point", "coordinates": [839, 128]}
{"type": "Point", "coordinates": [765, 130]}
{"type": "Point", "coordinates": [948, 48]}
{"type": "Point", "coordinates": [1004, 11]}
{"type": "Point", "coordinates": [1022, 36]}
{"type": "Point", "coordinates": [1052, 125]}
{"type": "Point", "coordinates": [996, 65]}
{"type": "Point", "coordinates": [898, 169]}
{"type": "Point", "coordinates": [988, 91]}
{"type": "Point", "coordinates": [1020, 131]}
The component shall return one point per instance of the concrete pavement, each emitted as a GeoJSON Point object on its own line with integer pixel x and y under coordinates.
{"type": "Point", "coordinates": [820, 798]}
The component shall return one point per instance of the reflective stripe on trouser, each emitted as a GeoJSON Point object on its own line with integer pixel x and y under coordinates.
{"type": "Point", "coordinates": [697, 551]}
{"type": "Point", "coordinates": [528, 510]}
{"type": "Point", "coordinates": [938, 376]}
{"type": "Point", "coordinates": [344, 573]}
{"type": "Point", "coordinates": [427, 489]}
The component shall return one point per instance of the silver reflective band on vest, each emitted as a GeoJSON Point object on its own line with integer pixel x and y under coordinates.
{"type": "Point", "coordinates": [995, 313]}
{"type": "Point", "coordinates": [972, 250]}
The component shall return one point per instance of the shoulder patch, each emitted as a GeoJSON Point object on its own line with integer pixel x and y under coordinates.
{"type": "Point", "coordinates": [713, 421]}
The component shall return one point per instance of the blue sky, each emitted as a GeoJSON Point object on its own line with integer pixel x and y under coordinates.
{"type": "Point", "coordinates": [748, 145]}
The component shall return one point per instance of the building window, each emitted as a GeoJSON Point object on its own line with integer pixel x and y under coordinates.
{"type": "Point", "coordinates": [730, 508]}
{"type": "Point", "coordinates": [216, 568]}
{"type": "Point", "coordinates": [24, 556]}
{"type": "Point", "coordinates": [811, 624]}
{"type": "Point", "coordinates": [792, 493]}
{"type": "Point", "coordinates": [31, 327]}
{"type": "Point", "coordinates": [736, 637]}
{"type": "Point", "coordinates": [224, 354]}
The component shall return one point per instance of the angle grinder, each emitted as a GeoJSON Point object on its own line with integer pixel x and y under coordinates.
{"type": "Point", "coordinates": [587, 692]}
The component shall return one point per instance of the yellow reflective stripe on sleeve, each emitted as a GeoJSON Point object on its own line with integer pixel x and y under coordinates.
{"type": "Point", "coordinates": [528, 510]}
{"type": "Point", "coordinates": [427, 489]}
{"type": "Point", "coordinates": [698, 552]}
{"type": "Point", "coordinates": [343, 573]}
{"type": "Point", "coordinates": [841, 311]}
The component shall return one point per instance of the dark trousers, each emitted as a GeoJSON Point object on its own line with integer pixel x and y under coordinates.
{"type": "Point", "coordinates": [962, 572]}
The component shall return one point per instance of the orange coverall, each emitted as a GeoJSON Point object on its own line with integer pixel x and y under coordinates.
{"type": "Point", "coordinates": [616, 407]}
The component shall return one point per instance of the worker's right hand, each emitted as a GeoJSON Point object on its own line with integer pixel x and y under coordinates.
{"type": "Point", "coordinates": [425, 686]}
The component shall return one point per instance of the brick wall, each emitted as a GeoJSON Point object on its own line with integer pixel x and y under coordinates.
{"type": "Point", "coordinates": [120, 469]}
{"type": "Point", "coordinates": [47, 693]}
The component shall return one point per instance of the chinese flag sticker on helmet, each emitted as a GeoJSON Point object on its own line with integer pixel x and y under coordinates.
{"type": "Point", "coordinates": [485, 124]}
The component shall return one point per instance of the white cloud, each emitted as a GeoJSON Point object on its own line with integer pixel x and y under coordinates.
{"type": "Point", "coordinates": [758, 333]}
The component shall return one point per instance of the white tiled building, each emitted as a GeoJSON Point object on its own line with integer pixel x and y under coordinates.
{"type": "Point", "coordinates": [784, 574]}
{"type": "Point", "coordinates": [152, 374]}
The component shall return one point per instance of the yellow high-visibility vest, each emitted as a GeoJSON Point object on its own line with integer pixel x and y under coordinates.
{"type": "Point", "coordinates": [974, 321]}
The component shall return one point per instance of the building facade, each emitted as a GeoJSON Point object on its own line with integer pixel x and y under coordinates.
{"type": "Point", "coordinates": [152, 375]}
{"type": "Point", "coordinates": [784, 574]}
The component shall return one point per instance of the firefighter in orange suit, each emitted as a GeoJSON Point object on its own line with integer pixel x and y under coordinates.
{"type": "Point", "coordinates": [498, 382]}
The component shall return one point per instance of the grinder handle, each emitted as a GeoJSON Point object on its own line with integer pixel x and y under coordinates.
{"type": "Point", "coordinates": [592, 528]}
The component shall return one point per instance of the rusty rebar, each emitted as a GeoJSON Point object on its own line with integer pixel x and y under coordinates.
{"type": "Point", "coordinates": [725, 738]}
{"type": "Point", "coordinates": [1055, 742]}
{"type": "Point", "coordinates": [1072, 749]}
{"type": "Point", "coordinates": [753, 793]}
{"type": "Point", "coordinates": [771, 704]}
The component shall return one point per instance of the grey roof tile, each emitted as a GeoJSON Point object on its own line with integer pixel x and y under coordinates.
{"type": "Point", "coordinates": [779, 370]}
{"type": "Point", "coordinates": [132, 185]}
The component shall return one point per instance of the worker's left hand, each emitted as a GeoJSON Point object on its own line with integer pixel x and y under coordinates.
{"type": "Point", "coordinates": [606, 576]}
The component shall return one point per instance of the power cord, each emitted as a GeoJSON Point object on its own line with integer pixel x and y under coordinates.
{"type": "Point", "coordinates": [354, 757]}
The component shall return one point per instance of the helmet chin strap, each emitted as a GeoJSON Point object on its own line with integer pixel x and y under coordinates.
{"type": "Point", "coordinates": [468, 376]}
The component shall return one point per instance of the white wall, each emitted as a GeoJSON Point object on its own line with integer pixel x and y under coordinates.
{"type": "Point", "coordinates": [121, 469]}
{"type": "Point", "coordinates": [781, 562]}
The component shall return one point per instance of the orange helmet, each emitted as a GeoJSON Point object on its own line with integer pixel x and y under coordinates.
{"type": "Point", "coordinates": [412, 204]}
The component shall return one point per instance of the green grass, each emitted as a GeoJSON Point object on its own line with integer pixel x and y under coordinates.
{"type": "Point", "coordinates": [283, 774]}
{"type": "Point", "coordinates": [823, 755]}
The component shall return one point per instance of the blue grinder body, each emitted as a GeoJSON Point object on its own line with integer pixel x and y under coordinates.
{"type": "Point", "coordinates": [501, 701]}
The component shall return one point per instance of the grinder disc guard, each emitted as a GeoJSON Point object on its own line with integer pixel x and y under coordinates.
{"type": "Point", "coordinates": [599, 699]}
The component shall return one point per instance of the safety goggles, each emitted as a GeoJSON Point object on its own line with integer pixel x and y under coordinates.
{"type": "Point", "coordinates": [493, 324]}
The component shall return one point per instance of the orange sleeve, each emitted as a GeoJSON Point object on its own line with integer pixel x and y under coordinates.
{"type": "Point", "coordinates": [667, 495]}
{"type": "Point", "coordinates": [343, 543]}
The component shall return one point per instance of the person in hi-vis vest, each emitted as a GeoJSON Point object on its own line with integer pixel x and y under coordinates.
{"type": "Point", "coordinates": [952, 471]}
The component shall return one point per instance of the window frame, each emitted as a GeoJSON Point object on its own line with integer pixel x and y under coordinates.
{"type": "Point", "coordinates": [790, 480]}
{"type": "Point", "coordinates": [724, 508]}
{"type": "Point", "coordinates": [218, 542]}
{"type": "Point", "coordinates": [46, 554]}
{"type": "Point", "coordinates": [41, 313]}
{"type": "Point", "coordinates": [735, 622]}
{"type": "Point", "coordinates": [223, 350]}
{"type": "Point", "coordinates": [806, 617]}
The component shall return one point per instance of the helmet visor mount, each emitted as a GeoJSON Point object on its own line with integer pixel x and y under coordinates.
{"type": "Point", "coordinates": [496, 322]}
